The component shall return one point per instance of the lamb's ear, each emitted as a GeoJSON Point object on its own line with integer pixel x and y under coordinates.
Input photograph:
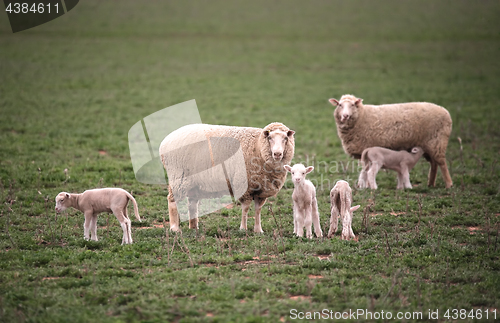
{"type": "Point", "coordinates": [354, 208]}
{"type": "Point", "coordinates": [67, 195]}
{"type": "Point", "coordinates": [415, 150]}
{"type": "Point", "coordinates": [309, 169]}
{"type": "Point", "coordinates": [334, 102]}
{"type": "Point", "coordinates": [358, 102]}
{"type": "Point", "coordinates": [290, 133]}
{"type": "Point", "coordinates": [266, 133]}
{"type": "Point", "coordinates": [288, 168]}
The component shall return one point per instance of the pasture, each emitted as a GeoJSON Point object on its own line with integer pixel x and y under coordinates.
{"type": "Point", "coordinates": [71, 89]}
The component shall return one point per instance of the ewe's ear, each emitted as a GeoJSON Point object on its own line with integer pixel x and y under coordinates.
{"type": "Point", "coordinates": [354, 208]}
{"type": "Point", "coordinates": [334, 102]}
{"type": "Point", "coordinates": [309, 169]}
{"type": "Point", "coordinates": [358, 102]}
{"type": "Point", "coordinates": [266, 133]}
{"type": "Point", "coordinates": [290, 133]}
{"type": "Point", "coordinates": [288, 168]}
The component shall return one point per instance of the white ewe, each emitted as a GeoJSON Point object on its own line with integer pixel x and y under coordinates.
{"type": "Point", "coordinates": [375, 158]}
{"type": "Point", "coordinates": [93, 202]}
{"type": "Point", "coordinates": [264, 151]}
{"type": "Point", "coordinates": [395, 126]}
{"type": "Point", "coordinates": [341, 199]}
{"type": "Point", "coordinates": [305, 204]}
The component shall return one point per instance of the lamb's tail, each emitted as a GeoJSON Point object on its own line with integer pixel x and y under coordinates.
{"type": "Point", "coordinates": [136, 208]}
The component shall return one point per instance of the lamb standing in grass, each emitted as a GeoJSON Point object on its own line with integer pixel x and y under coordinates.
{"type": "Point", "coordinates": [264, 152]}
{"type": "Point", "coordinates": [305, 204]}
{"type": "Point", "coordinates": [341, 199]}
{"type": "Point", "coordinates": [93, 202]}
{"type": "Point", "coordinates": [375, 158]}
{"type": "Point", "coordinates": [395, 126]}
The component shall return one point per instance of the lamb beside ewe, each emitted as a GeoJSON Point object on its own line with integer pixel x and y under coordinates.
{"type": "Point", "coordinates": [375, 158]}
{"type": "Point", "coordinates": [93, 202]}
{"type": "Point", "coordinates": [305, 204]}
{"type": "Point", "coordinates": [259, 175]}
{"type": "Point", "coordinates": [395, 126]}
{"type": "Point", "coordinates": [341, 199]}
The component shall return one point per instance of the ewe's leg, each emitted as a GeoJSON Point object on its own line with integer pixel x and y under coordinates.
{"type": "Point", "coordinates": [86, 225]}
{"type": "Point", "coordinates": [173, 214]}
{"type": "Point", "coordinates": [93, 227]}
{"type": "Point", "coordinates": [245, 206]}
{"type": "Point", "coordinates": [258, 203]}
{"type": "Point", "coordinates": [193, 213]}
{"type": "Point", "coordinates": [315, 219]}
{"type": "Point", "coordinates": [444, 170]}
{"type": "Point", "coordinates": [432, 173]}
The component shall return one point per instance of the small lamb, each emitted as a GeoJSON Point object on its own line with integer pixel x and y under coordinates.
{"type": "Point", "coordinates": [341, 199]}
{"type": "Point", "coordinates": [93, 202]}
{"type": "Point", "coordinates": [305, 204]}
{"type": "Point", "coordinates": [401, 161]}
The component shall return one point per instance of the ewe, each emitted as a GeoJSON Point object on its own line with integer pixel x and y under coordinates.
{"type": "Point", "coordinates": [341, 199]}
{"type": "Point", "coordinates": [264, 152]}
{"type": "Point", "coordinates": [395, 126]}
{"type": "Point", "coordinates": [93, 202]}
{"type": "Point", "coordinates": [305, 204]}
{"type": "Point", "coordinates": [375, 158]}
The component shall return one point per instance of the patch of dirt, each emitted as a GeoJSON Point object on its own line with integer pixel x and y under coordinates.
{"type": "Point", "coordinates": [209, 314]}
{"type": "Point", "coordinates": [396, 213]}
{"type": "Point", "coordinates": [50, 278]}
{"type": "Point", "coordinates": [103, 152]}
{"type": "Point", "coordinates": [154, 225]}
{"type": "Point", "coordinates": [472, 230]}
{"type": "Point", "coordinates": [323, 257]}
{"type": "Point", "coordinates": [315, 276]}
{"type": "Point", "coordinates": [229, 206]}
{"type": "Point", "coordinates": [300, 298]}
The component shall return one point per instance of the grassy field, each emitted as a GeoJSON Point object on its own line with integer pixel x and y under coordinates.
{"type": "Point", "coordinates": [71, 89]}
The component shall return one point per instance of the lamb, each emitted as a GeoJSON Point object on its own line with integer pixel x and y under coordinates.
{"type": "Point", "coordinates": [305, 204]}
{"type": "Point", "coordinates": [375, 158]}
{"type": "Point", "coordinates": [201, 148]}
{"type": "Point", "coordinates": [93, 202]}
{"type": "Point", "coordinates": [395, 126]}
{"type": "Point", "coordinates": [341, 199]}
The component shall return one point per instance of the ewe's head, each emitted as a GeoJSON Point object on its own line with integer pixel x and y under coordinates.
{"type": "Point", "coordinates": [280, 140]}
{"type": "Point", "coordinates": [346, 111]}
{"type": "Point", "coordinates": [298, 172]}
{"type": "Point", "coordinates": [62, 201]}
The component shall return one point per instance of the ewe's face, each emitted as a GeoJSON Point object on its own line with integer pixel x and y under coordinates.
{"type": "Point", "coordinates": [277, 142]}
{"type": "Point", "coordinates": [298, 172]}
{"type": "Point", "coordinates": [346, 110]}
{"type": "Point", "coordinates": [62, 202]}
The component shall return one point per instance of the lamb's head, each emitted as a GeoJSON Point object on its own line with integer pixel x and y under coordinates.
{"type": "Point", "coordinates": [62, 201]}
{"type": "Point", "coordinates": [298, 172]}
{"type": "Point", "coordinates": [347, 110]}
{"type": "Point", "coordinates": [279, 141]}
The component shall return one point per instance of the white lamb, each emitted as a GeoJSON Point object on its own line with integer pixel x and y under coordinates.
{"type": "Point", "coordinates": [375, 158]}
{"type": "Point", "coordinates": [341, 199]}
{"type": "Point", "coordinates": [305, 204]}
{"type": "Point", "coordinates": [93, 202]}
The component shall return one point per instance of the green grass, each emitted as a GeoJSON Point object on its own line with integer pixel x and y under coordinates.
{"type": "Point", "coordinates": [71, 89]}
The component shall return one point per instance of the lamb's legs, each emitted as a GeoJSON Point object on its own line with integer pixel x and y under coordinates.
{"type": "Point", "coordinates": [406, 177]}
{"type": "Point", "coordinates": [334, 220]}
{"type": "Point", "coordinates": [362, 180]}
{"type": "Point", "coordinates": [372, 174]}
{"type": "Point", "coordinates": [401, 181]}
{"type": "Point", "coordinates": [87, 224]}
{"type": "Point", "coordinates": [125, 223]}
{"type": "Point", "coordinates": [245, 206]}
{"type": "Point", "coordinates": [315, 219]}
{"type": "Point", "coordinates": [93, 227]}
{"type": "Point", "coordinates": [432, 173]}
{"type": "Point", "coordinates": [193, 213]}
{"type": "Point", "coordinates": [295, 223]}
{"type": "Point", "coordinates": [258, 203]}
{"type": "Point", "coordinates": [308, 221]}
{"type": "Point", "coordinates": [299, 216]}
{"type": "Point", "coordinates": [173, 214]}
{"type": "Point", "coordinates": [347, 232]}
